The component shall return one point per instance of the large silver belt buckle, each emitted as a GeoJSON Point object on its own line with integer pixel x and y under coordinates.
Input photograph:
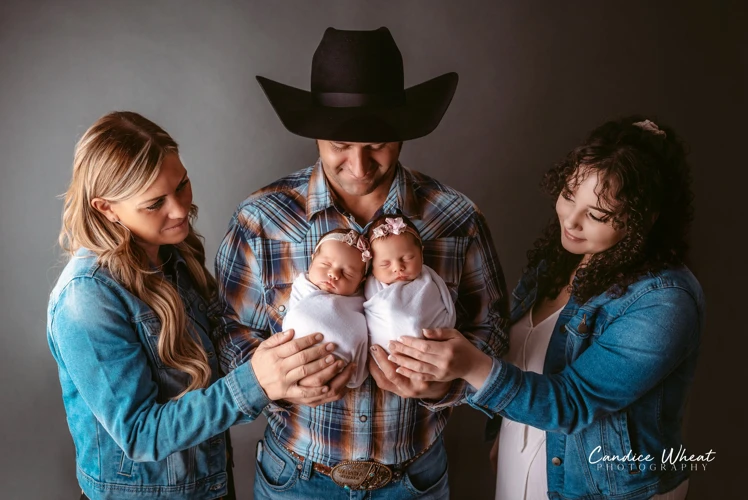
{"type": "Point", "coordinates": [364, 475]}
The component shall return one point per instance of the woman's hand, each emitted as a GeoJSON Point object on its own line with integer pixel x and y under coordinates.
{"type": "Point", "coordinates": [443, 355]}
{"type": "Point", "coordinates": [385, 375]}
{"type": "Point", "coordinates": [280, 363]}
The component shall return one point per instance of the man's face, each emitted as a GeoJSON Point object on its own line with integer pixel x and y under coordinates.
{"type": "Point", "coordinates": [359, 168]}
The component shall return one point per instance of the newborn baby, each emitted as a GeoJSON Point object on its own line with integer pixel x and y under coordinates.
{"type": "Point", "coordinates": [403, 296]}
{"type": "Point", "coordinates": [328, 299]}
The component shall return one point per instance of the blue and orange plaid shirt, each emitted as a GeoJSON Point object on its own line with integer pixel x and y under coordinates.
{"type": "Point", "coordinates": [270, 241]}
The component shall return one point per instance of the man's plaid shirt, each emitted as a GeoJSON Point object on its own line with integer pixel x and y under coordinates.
{"type": "Point", "coordinates": [270, 241]}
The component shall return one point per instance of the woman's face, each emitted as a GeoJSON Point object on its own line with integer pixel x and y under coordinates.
{"type": "Point", "coordinates": [586, 221]}
{"type": "Point", "coordinates": [159, 215]}
{"type": "Point", "coordinates": [396, 258]}
{"type": "Point", "coordinates": [337, 268]}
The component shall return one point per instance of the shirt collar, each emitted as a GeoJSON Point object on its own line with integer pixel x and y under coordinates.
{"type": "Point", "coordinates": [172, 259]}
{"type": "Point", "coordinates": [400, 198]}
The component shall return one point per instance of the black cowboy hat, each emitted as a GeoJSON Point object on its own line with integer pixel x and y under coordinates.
{"type": "Point", "coordinates": [357, 93]}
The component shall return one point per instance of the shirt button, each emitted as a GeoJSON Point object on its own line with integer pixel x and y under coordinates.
{"type": "Point", "coordinates": [362, 418]}
{"type": "Point", "coordinates": [210, 354]}
{"type": "Point", "coordinates": [201, 307]}
{"type": "Point", "coordinates": [282, 308]}
{"type": "Point", "coordinates": [556, 461]}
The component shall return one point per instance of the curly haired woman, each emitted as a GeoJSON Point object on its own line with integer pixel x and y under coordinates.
{"type": "Point", "coordinates": [606, 324]}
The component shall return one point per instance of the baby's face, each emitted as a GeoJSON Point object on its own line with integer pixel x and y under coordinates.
{"type": "Point", "coordinates": [337, 268]}
{"type": "Point", "coordinates": [396, 258]}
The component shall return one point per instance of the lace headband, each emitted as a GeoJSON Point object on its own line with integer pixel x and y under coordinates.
{"type": "Point", "coordinates": [351, 238]}
{"type": "Point", "coordinates": [392, 226]}
{"type": "Point", "coordinates": [651, 126]}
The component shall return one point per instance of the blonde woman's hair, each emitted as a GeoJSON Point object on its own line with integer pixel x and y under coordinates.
{"type": "Point", "coordinates": [118, 157]}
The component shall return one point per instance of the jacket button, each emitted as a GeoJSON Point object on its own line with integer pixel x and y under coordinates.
{"type": "Point", "coordinates": [582, 327]}
{"type": "Point", "coordinates": [556, 461]}
{"type": "Point", "coordinates": [216, 487]}
{"type": "Point", "coordinates": [562, 329]}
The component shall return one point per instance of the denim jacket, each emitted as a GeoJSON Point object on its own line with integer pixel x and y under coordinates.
{"type": "Point", "coordinates": [615, 381]}
{"type": "Point", "coordinates": [131, 439]}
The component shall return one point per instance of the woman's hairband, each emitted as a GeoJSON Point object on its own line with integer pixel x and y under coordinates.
{"type": "Point", "coordinates": [651, 126]}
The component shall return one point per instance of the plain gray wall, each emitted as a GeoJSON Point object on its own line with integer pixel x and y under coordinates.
{"type": "Point", "coordinates": [535, 77]}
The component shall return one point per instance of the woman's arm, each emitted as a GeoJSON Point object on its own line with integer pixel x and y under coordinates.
{"type": "Point", "coordinates": [96, 345]}
{"type": "Point", "coordinates": [635, 353]}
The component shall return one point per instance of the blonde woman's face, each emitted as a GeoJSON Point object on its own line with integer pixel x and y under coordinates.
{"type": "Point", "coordinates": [396, 258]}
{"type": "Point", "coordinates": [337, 268]}
{"type": "Point", "coordinates": [159, 215]}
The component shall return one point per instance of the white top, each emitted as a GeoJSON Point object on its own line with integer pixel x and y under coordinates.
{"type": "Point", "coordinates": [522, 466]}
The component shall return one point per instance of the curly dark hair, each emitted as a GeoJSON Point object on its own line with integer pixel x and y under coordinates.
{"type": "Point", "coordinates": [644, 177]}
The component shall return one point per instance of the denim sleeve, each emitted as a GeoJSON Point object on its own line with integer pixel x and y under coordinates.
{"type": "Point", "coordinates": [243, 321]}
{"type": "Point", "coordinates": [635, 353]}
{"type": "Point", "coordinates": [96, 344]}
{"type": "Point", "coordinates": [482, 298]}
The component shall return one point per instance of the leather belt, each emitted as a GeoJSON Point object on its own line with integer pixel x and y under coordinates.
{"type": "Point", "coordinates": [362, 474]}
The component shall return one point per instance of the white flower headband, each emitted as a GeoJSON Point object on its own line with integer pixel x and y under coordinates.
{"type": "Point", "coordinates": [392, 226]}
{"type": "Point", "coordinates": [351, 238]}
{"type": "Point", "coordinates": [651, 126]}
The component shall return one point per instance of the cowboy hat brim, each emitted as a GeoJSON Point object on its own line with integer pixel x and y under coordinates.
{"type": "Point", "coordinates": [424, 107]}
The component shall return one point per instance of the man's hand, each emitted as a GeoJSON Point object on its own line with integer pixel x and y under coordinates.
{"type": "Point", "coordinates": [338, 381]}
{"type": "Point", "coordinates": [279, 364]}
{"type": "Point", "coordinates": [388, 379]}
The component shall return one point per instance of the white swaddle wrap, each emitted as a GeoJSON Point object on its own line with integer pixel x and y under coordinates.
{"type": "Point", "coordinates": [339, 318]}
{"type": "Point", "coordinates": [407, 307]}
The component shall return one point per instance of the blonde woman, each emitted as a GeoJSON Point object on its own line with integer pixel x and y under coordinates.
{"type": "Point", "coordinates": [130, 326]}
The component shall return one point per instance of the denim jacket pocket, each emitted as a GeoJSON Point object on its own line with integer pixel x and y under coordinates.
{"type": "Point", "coordinates": [151, 328]}
{"type": "Point", "coordinates": [125, 466]}
{"type": "Point", "coordinates": [578, 337]}
{"type": "Point", "coordinates": [171, 381]}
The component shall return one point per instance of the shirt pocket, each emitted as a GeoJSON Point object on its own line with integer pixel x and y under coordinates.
{"type": "Point", "coordinates": [276, 303]}
{"type": "Point", "coordinates": [446, 256]}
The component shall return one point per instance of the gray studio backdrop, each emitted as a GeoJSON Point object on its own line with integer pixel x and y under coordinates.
{"type": "Point", "coordinates": [534, 78]}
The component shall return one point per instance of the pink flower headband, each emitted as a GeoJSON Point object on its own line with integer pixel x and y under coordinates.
{"type": "Point", "coordinates": [351, 238]}
{"type": "Point", "coordinates": [651, 126]}
{"type": "Point", "coordinates": [394, 226]}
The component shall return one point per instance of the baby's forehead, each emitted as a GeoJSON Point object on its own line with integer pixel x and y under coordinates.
{"type": "Point", "coordinates": [338, 250]}
{"type": "Point", "coordinates": [403, 240]}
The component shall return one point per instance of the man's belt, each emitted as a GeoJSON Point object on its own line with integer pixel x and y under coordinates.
{"type": "Point", "coordinates": [362, 474]}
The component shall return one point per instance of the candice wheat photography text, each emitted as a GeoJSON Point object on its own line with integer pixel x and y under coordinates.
{"type": "Point", "coordinates": [671, 459]}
